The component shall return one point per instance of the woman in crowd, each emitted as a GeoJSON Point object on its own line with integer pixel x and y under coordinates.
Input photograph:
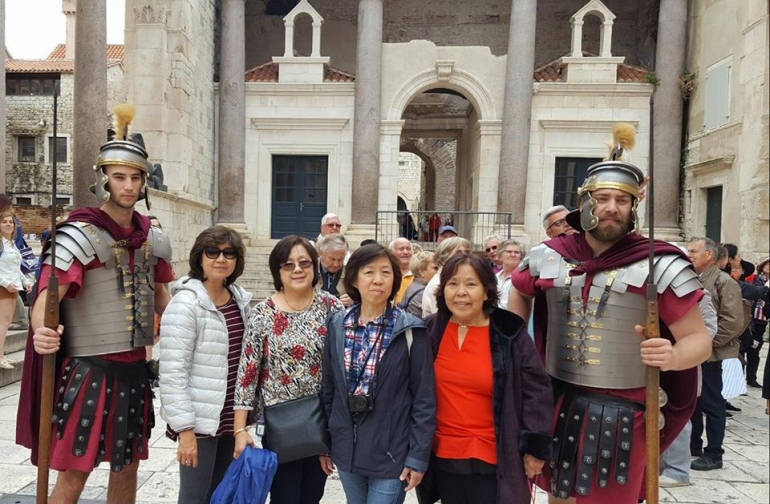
{"type": "Point", "coordinates": [423, 268]}
{"type": "Point", "coordinates": [444, 251]}
{"type": "Point", "coordinates": [202, 331]}
{"type": "Point", "coordinates": [510, 253]}
{"type": "Point", "coordinates": [11, 280]}
{"type": "Point", "coordinates": [377, 386]}
{"type": "Point", "coordinates": [494, 398]}
{"type": "Point", "coordinates": [282, 358]}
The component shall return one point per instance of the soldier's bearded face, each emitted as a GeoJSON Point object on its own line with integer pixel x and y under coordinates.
{"type": "Point", "coordinates": [613, 210]}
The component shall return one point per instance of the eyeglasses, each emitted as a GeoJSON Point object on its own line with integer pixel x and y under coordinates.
{"type": "Point", "coordinates": [490, 249]}
{"type": "Point", "coordinates": [333, 224]}
{"type": "Point", "coordinates": [560, 223]}
{"type": "Point", "coordinates": [214, 252]}
{"type": "Point", "coordinates": [290, 266]}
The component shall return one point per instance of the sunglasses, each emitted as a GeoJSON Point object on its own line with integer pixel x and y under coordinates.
{"type": "Point", "coordinates": [490, 249]}
{"type": "Point", "coordinates": [333, 225]}
{"type": "Point", "coordinates": [288, 267]}
{"type": "Point", "coordinates": [214, 252]}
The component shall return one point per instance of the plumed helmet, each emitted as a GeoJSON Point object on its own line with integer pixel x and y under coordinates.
{"type": "Point", "coordinates": [609, 174]}
{"type": "Point", "coordinates": [123, 150]}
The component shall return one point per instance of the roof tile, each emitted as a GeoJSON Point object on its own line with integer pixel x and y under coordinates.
{"type": "Point", "coordinates": [554, 72]}
{"type": "Point", "coordinates": [114, 52]}
{"type": "Point", "coordinates": [268, 72]}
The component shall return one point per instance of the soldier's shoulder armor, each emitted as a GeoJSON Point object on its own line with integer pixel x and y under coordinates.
{"type": "Point", "coordinates": [671, 271]}
{"type": "Point", "coordinates": [81, 241]}
{"type": "Point", "coordinates": [161, 244]}
{"type": "Point", "coordinates": [534, 260]}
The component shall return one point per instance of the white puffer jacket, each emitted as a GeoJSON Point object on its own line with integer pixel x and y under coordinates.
{"type": "Point", "coordinates": [193, 357]}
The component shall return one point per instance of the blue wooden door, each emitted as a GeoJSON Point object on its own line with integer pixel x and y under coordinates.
{"type": "Point", "coordinates": [299, 195]}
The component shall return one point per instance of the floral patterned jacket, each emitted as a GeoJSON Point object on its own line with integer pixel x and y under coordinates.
{"type": "Point", "coordinates": [282, 353]}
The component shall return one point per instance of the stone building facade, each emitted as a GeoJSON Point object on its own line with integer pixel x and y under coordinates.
{"type": "Point", "coordinates": [29, 125]}
{"type": "Point", "coordinates": [268, 113]}
{"type": "Point", "coordinates": [726, 169]}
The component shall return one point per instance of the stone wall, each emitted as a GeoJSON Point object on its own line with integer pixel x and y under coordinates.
{"type": "Point", "coordinates": [410, 180]}
{"type": "Point", "coordinates": [182, 219]}
{"type": "Point", "coordinates": [169, 58]}
{"type": "Point", "coordinates": [477, 23]}
{"type": "Point", "coordinates": [297, 119]}
{"type": "Point", "coordinates": [24, 115]}
{"type": "Point", "coordinates": [733, 155]}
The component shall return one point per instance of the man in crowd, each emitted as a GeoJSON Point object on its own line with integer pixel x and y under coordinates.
{"type": "Point", "coordinates": [555, 221]}
{"type": "Point", "coordinates": [726, 296]}
{"type": "Point", "coordinates": [445, 232]}
{"type": "Point", "coordinates": [589, 315]}
{"type": "Point", "coordinates": [402, 248]}
{"type": "Point", "coordinates": [332, 250]}
{"type": "Point", "coordinates": [103, 409]}
{"type": "Point", "coordinates": [491, 244]}
{"type": "Point", "coordinates": [330, 224]}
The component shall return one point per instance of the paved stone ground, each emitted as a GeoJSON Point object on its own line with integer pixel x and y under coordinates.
{"type": "Point", "coordinates": [744, 479]}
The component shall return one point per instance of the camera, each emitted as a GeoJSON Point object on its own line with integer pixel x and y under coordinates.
{"type": "Point", "coordinates": [360, 403]}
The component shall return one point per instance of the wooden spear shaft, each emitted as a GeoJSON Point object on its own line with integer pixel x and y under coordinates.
{"type": "Point", "coordinates": [652, 326]}
{"type": "Point", "coordinates": [51, 321]}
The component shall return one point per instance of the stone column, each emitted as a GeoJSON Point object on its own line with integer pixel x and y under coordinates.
{"type": "Point", "coordinates": [517, 111]}
{"type": "Point", "coordinates": [669, 68]}
{"type": "Point", "coordinates": [90, 123]}
{"type": "Point", "coordinates": [2, 94]}
{"type": "Point", "coordinates": [232, 114]}
{"type": "Point", "coordinates": [366, 125]}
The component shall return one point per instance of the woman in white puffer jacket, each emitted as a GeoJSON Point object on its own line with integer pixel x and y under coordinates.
{"type": "Point", "coordinates": [201, 335]}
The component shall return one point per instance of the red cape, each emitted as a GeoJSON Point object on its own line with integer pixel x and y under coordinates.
{"type": "Point", "coordinates": [28, 414]}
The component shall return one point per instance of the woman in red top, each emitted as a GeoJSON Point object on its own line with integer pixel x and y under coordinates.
{"type": "Point", "coordinates": [493, 396]}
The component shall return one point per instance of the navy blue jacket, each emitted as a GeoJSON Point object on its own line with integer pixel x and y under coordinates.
{"type": "Point", "coordinates": [399, 431]}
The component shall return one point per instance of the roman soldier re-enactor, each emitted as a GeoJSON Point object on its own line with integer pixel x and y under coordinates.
{"type": "Point", "coordinates": [589, 291]}
{"type": "Point", "coordinates": [112, 267]}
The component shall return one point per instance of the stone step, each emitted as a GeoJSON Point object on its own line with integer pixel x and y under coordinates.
{"type": "Point", "coordinates": [12, 375]}
{"type": "Point", "coordinates": [15, 340]}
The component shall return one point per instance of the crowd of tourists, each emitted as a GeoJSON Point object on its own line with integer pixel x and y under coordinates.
{"type": "Point", "coordinates": [470, 377]}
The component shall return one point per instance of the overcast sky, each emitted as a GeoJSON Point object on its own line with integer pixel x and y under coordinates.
{"type": "Point", "coordinates": [34, 27]}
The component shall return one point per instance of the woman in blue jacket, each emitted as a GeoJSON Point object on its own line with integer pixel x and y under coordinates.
{"type": "Point", "coordinates": [378, 386]}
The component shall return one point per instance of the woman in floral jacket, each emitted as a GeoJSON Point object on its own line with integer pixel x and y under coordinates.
{"type": "Point", "coordinates": [282, 356]}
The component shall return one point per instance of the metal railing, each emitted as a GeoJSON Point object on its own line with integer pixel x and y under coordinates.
{"type": "Point", "coordinates": [415, 225]}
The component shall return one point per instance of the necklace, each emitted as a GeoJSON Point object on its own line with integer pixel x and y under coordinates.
{"type": "Point", "coordinates": [285, 298]}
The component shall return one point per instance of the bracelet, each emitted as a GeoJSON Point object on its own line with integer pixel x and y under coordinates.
{"type": "Point", "coordinates": [238, 431]}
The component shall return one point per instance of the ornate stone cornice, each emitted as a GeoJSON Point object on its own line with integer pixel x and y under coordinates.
{"type": "Point", "coordinates": [151, 14]}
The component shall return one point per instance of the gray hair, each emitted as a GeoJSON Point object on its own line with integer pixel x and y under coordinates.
{"type": "Point", "coordinates": [504, 244]}
{"type": "Point", "coordinates": [328, 216]}
{"type": "Point", "coordinates": [709, 245]}
{"type": "Point", "coordinates": [550, 212]}
{"type": "Point", "coordinates": [447, 247]}
{"type": "Point", "coordinates": [393, 243]}
{"type": "Point", "coordinates": [331, 243]}
{"type": "Point", "coordinates": [492, 237]}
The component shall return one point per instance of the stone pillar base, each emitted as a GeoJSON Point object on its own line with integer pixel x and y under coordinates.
{"type": "Point", "coordinates": [241, 227]}
{"type": "Point", "coordinates": [356, 233]}
{"type": "Point", "coordinates": [669, 234]}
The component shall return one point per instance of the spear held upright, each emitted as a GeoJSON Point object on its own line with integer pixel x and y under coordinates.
{"type": "Point", "coordinates": [652, 328]}
{"type": "Point", "coordinates": [51, 320]}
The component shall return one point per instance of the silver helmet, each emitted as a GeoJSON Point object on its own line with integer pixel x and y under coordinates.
{"type": "Point", "coordinates": [605, 175]}
{"type": "Point", "coordinates": [125, 150]}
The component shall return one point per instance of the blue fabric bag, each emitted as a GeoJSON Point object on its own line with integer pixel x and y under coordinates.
{"type": "Point", "coordinates": [248, 479]}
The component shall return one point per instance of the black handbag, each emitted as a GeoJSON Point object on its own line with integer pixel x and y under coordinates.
{"type": "Point", "coordinates": [296, 429]}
